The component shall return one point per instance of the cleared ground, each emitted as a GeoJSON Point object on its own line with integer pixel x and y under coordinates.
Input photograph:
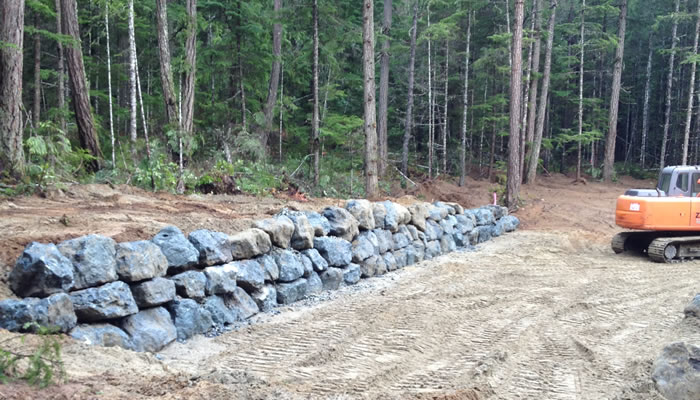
{"type": "Point", "coordinates": [548, 312]}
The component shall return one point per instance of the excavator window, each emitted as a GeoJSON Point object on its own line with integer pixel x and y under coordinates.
{"type": "Point", "coordinates": [665, 183]}
{"type": "Point", "coordinates": [682, 182]}
{"type": "Point", "coordinates": [696, 184]}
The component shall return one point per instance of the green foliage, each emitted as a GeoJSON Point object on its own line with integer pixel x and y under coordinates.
{"type": "Point", "coordinates": [161, 174]}
{"type": "Point", "coordinates": [40, 366]}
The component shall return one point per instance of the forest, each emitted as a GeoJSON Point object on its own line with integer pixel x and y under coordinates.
{"type": "Point", "coordinates": [343, 98]}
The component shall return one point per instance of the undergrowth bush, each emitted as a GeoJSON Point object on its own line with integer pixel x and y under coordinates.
{"type": "Point", "coordinates": [40, 366]}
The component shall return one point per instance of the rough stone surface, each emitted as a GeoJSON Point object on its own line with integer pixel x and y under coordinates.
{"type": "Point", "coordinates": [337, 251]}
{"type": "Point", "coordinates": [385, 240]}
{"type": "Point", "coordinates": [303, 236]}
{"type": "Point", "coordinates": [484, 216]}
{"type": "Point", "coordinates": [498, 211]}
{"type": "Point", "coordinates": [288, 293]}
{"type": "Point", "coordinates": [290, 264]}
{"type": "Point", "coordinates": [692, 310]}
{"type": "Point", "coordinates": [379, 212]}
{"type": "Point", "coordinates": [676, 372]}
{"type": "Point", "coordinates": [459, 239]}
{"type": "Point", "coordinates": [473, 236]}
{"type": "Point", "coordinates": [308, 265]}
{"type": "Point", "coordinates": [400, 257]}
{"type": "Point", "coordinates": [342, 223]}
{"type": "Point", "coordinates": [433, 230]}
{"type": "Point", "coordinates": [220, 313]}
{"type": "Point", "coordinates": [249, 244]}
{"type": "Point", "coordinates": [314, 284]}
{"type": "Point", "coordinates": [391, 216]}
{"type": "Point", "coordinates": [40, 271]}
{"type": "Point", "coordinates": [320, 224]}
{"type": "Point", "coordinates": [419, 213]}
{"type": "Point", "coordinates": [93, 258]}
{"type": "Point", "coordinates": [436, 213]}
{"type": "Point", "coordinates": [410, 255]}
{"type": "Point", "coordinates": [401, 240]}
{"type": "Point", "coordinates": [352, 274]}
{"type": "Point", "coordinates": [484, 233]}
{"type": "Point", "coordinates": [241, 301]}
{"type": "Point", "coordinates": [362, 249]}
{"type": "Point", "coordinates": [413, 232]}
{"type": "Point", "coordinates": [433, 249]}
{"type": "Point", "coordinates": [109, 301]}
{"type": "Point", "coordinates": [189, 318]}
{"type": "Point", "coordinates": [269, 265]}
{"type": "Point", "coordinates": [450, 210]}
{"type": "Point", "coordinates": [419, 248]}
{"type": "Point", "coordinates": [176, 248]}
{"type": "Point", "coordinates": [250, 275]}
{"type": "Point", "coordinates": [447, 244]}
{"type": "Point", "coordinates": [497, 229]}
{"type": "Point", "coordinates": [404, 215]}
{"type": "Point", "coordinates": [465, 222]}
{"type": "Point", "coordinates": [190, 284]}
{"type": "Point", "coordinates": [221, 280]}
{"type": "Point", "coordinates": [280, 229]}
{"type": "Point", "coordinates": [362, 211]}
{"type": "Point", "coordinates": [509, 222]}
{"type": "Point", "coordinates": [55, 311]}
{"type": "Point", "coordinates": [372, 266]}
{"type": "Point", "coordinates": [105, 335]}
{"type": "Point", "coordinates": [140, 260]}
{"type": "Point", "coordinates": [319, 263]}
{"type": "Point", "coordinates": [447, 226]}
{"type": "Point", "coordinates": [390, 261]}
{"type": "Point", "coordinates": [153, 292]}
{"type": "Point", "coordinates": [457, 207]}
{"type": "Point", "coordinates": [266, 298]}
{"type": "Point", "coordinates": [214, 247]}
{"type": "Point", "coordinates": [150, 330]}
{"type": "Point", "coordinates": [332, 278]}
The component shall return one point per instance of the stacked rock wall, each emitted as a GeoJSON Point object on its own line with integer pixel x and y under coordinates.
{"type": "Point", "coordinates": [145, 294]}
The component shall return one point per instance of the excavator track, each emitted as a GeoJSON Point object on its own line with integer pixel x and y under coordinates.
{"type": "Point", "coordinates": [674, 249]}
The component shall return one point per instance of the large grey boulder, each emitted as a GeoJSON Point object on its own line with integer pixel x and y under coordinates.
{"type": "Point", "coordinates": [692, 310]}
{"type": "Point", "coordinates": [105, 335]}
{"type": "Point", "coordinates": [153, 292]}
{"type": "Point", "coordinates": [450, 209]}
{"type": "Point", "coordinates": [676, 372]}
{"type": "Point", "coordinates": [53, 312]}
{"type": "Point", "coordinates": [109, 301]}
{"type": "Point", "coordinates": [403, 214]}
{"type": "Point", "coordinates": [249, 243]}
{"type": "Point", "coordinates": [314, 284]}
{"type": "Point", "coordinates": [190, 284]}
{"type": "Point", "coordinates": [241, 301]}
{"type": "Point", "coordinates": [457, 208]}
{"type": "Point", "coordinates": [269, 265]}
{"type": "Point", "coordinates": [484, 216]}
{"type": "Point", "coordinates": [93, 258]}
{"type": "Point", "coordinates": [484, 233]}
{"type": "Point", "coordinates": [176, 248]}
{"type": "Point", "coordinates": [266, 298]}
{"type": "Point", "coordinates": [390, 261]}
{"type": "Point", "coordinates": [436, 213]}
{"type": "Point", "coordinates": [280, 229]}
{"type": "Point", "coordinates": [213, 247]}
{"type": "Point", "coordinates": [388, 217]}
{"type": "Point", "coordinates": [332, 278]}
{"type": "Point", "coordinates": [419, 213]}
{"type": "Point", "coordinates": [290, 264]}
{"type": "Point", "coordinates": [385, 240]}
{"type": "Point", "coordinates": [509, 223]}
{"type": "Point", "coordinates": [498, 211]}
{"type": "Point", "coordinates": [221, 314]}
{"type": "Point", "coordinates": [40, 271]}
{"type": "Point", "coordinates": [432, 249]}
{"type": "Point", "coordinates": [250, 275]}
{"type": "Point", "coordinates": [497, 229]}
{"type": "Point", "coordinates": [401, 240]}
{"type": "Point", "coordinates": [150, 330]}
{"type": "Point", "coordinates": [362, 211]}
{"type": "Point", "coordinates": [288, 293]}
{"type": "Point", "coordinates": [447, 244]}
{"type": "Point", "coordinates": [362, 249]}
{"type": "Point", "coordinates": [221, 280]}
{"type": "Point", "coordinates": [308, 265]}
{"type": "Point", "coordinates": [319, 263]}
{"type": "Point", "coordinates": [460, 239]}
{"type": "Point", "coordinates": [320, 223]}
{"type": "Point", "coordinates": [352, 274]}
{"type": "Point", "coordinates": [400, 257]}
{"type": "Point", "coordinates": [372, 266]}
{"type": "Point", "coordinates": [189, 318]}
{"type": "Point", "coordinates": [303, 236]}
{"type": "Point", "coordinates": [140, 260]}
{"type": "Point", "coordinates": [411, 257]}
{"type": "Point", "coordinates": [337, 251]}
{"type": "Point", "coordinates": [433, 230]}
{"type": "Point", "coordinates": [419, 248]}
{"type": "Point", "coordinates": [372, 238]}
{"type": "Point", "coordinates": [343, 224]}
{"type": "Point", "coordinates": [465, 223]}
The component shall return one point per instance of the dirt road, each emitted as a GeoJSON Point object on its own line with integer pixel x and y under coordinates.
{"type": "Point", "coordinates": [542, 313]}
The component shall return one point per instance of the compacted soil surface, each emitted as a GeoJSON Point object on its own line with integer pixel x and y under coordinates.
{"type": "Point", "coordinates": [547, 312]}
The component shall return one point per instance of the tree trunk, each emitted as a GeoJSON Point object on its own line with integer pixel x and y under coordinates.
{"type": "Point", "coordinates": [371, 181]}
{"type": "Point", "coordinates": [166, 72]}
{"type": "Point", "coordinates": [244, 109]}
{"type": "Point", "coordinates": [430, 105]}
{"type": "Point", "coordinates": [465, 101]}
{"type": "Point", "coordinates": [36, 112]}
{"type": "Point", "coordinates": [526, 95]}
{"type": "Point", "coordinates": [11, 60]}
{"type": "Point", "coordinates": [691, 89]}
{"type": "Point", "coordinates": [645, 114]}
{"type": "Point", "coordinates": [268, 110]}
{"type": "Point", "coordinates": [190, 68]}
{"type": "Point", "coordinates": [61, 72]}
{"type": "Point", "coordinates": [79, 92]}
{"type": "Point", "coordinates": [669, 85]}
{"type": "Point", "coordinates": [534, 87]}
{"type": "Point", "coordinates": [132, 80]}
{"type": "Point", "coordinates": [384, 91]}
{"type": "Point", "coordinates": [541, 112]}
{"type": "Point", "coordinates": [109, 87]}
{"type": "Point", "coordinates": [411, 81]}
{"type": "Point", "coordinates": [608, 166]}
{"type": "Point", "coordinates": [580, 90]}
{"type": "Point", "coordinates": [516, 75]}
{"type": "Point", "coordinates": [444, 115]}
{"type": "Point", "coordinates": [315, 134]}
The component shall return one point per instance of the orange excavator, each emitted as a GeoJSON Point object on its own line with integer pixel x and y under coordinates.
{"type": "Point", "coordinates": [666, 219]}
